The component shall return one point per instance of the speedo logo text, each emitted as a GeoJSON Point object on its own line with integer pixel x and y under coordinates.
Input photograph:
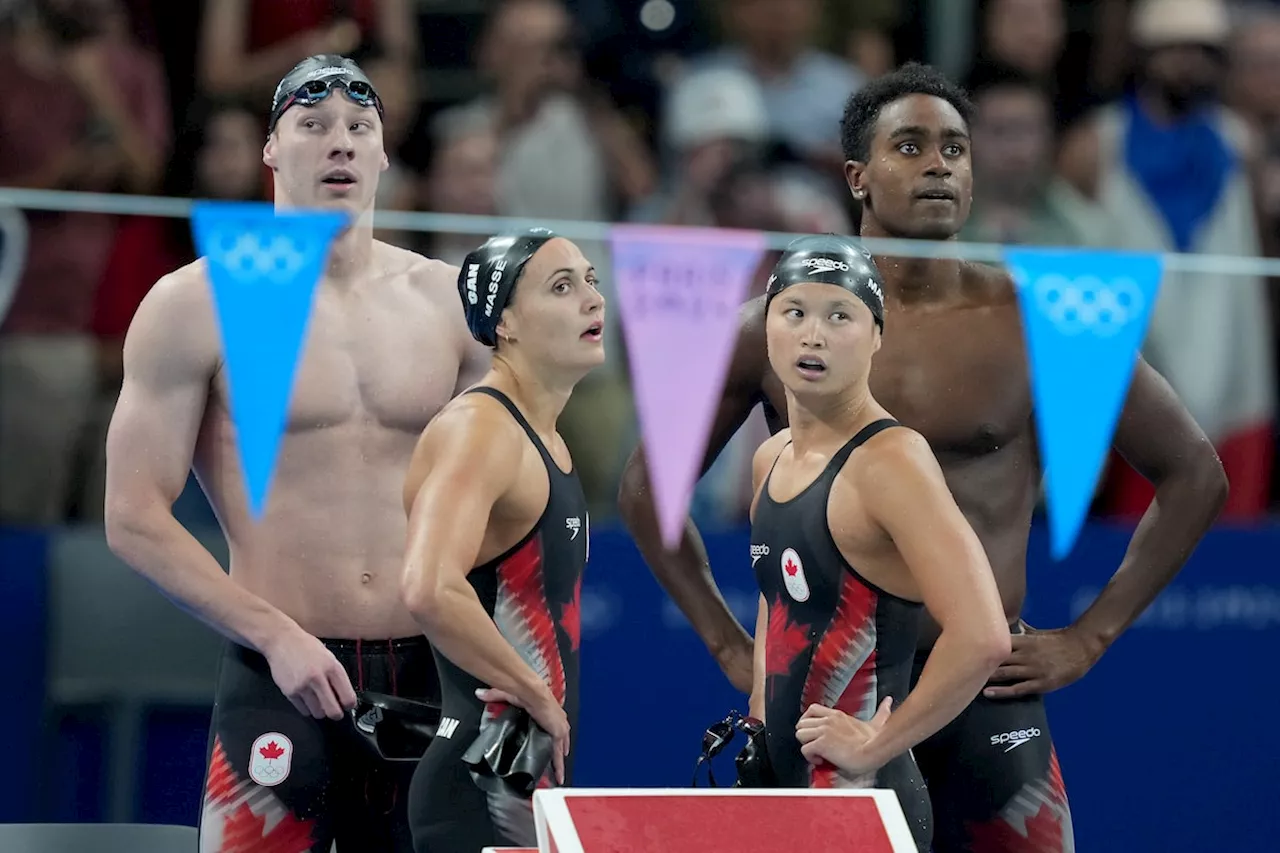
{"type": "Point", "coordinates": [1014, 739]}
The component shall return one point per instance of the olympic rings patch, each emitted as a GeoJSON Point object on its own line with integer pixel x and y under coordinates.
{"type": "Point", "coordinates": [246, 256]}
{"type": "Point", "coordinates": [1088, 304]}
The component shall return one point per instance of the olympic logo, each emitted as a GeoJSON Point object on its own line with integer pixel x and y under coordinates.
{"type": "Point", "coordinates": [1088, 304]}
{"type": "Point", "coordinates": [246, 256]}
{"type": "Point", "coordinates": [270, 771]}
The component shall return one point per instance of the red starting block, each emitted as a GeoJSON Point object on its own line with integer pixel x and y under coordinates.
{"type": "Point", "coordinates": [725, 820]}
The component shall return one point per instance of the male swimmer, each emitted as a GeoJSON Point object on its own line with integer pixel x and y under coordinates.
{"type": "Point", "coordinates": [499, 534]}
{"type": "Point", "coordinates": [852, 528]}
{"type": "Point", "coordinates": [311, 608]}
{"type": "Point", "coordinates": [955, 370]}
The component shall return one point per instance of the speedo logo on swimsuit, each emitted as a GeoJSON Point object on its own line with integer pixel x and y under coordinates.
{"type": "Point", "coordinates": [758, 551]}
{"type": "Point", "coordinates": [1015, 739]}
{"type": "Point", "coordinates": [573, 525]}
{"type": "Point", "coordinates": [825, 265]}
{"type": "Point", "coordinates": [448, 725]}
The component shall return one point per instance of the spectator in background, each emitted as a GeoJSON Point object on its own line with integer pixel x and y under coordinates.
{"type": "Point", "coordinates": [84, 109]}
{"type": "Point", "coordinates": [248, 45]}
{"type": "Point", "coordinates": [1017, 196]}
{"type": "Point", "coordinates": [461, 178]}
{"type": "Point", "coordinates": [1253, 84]}
{"type": "Point", "coordinates": [1254, 91]}
{"type": "Point", "coordinates": [863, 33]}
{"type": "Point", "coordinates": [564, 152]}
{"type": "Point", "coordinates": [804, 88]}
{"type": "Point", "coordinates": [1171, 167]}
{"type": "Point", "coordinates": [712, 119]}
{"type": "Point", "coordinates": [1028, 35]}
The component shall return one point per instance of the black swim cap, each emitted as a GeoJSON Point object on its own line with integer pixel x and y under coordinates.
{"type": "Point", "coordinates": [319, 74]}
{"type": "Point", "coordinates": [488, 278]}
{"type": "Point", "coordinates": [830, 259]}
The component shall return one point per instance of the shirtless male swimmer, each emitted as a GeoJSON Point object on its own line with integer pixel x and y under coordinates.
{"type": "Point", "coordinates": [954, 369]}
{"type": "Point", "coordinates": [386, 348]}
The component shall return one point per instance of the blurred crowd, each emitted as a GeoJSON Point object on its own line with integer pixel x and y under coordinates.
{"type": "Point", "coordinates": [1133, 124]}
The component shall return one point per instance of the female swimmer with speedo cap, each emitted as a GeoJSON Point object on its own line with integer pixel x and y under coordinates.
{"type": "Point", "coordinates": [853, 529]}
{"type": "Point", "coordinates": [498, 540]}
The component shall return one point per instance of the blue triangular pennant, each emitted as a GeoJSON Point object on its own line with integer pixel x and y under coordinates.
{"type": "Point", "coordinates": [263, 267]}
{"type": "Point", "coordinates": [1084, 315]}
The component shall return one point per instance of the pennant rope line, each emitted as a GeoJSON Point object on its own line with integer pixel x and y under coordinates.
{"type": "Point", "coordinates": [453, 223]}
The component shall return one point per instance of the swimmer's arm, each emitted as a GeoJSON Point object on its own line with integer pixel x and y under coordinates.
{"type": "Point", "coordinates": [685, 573]}
{"type": "Point", "coordinates": [170, 355]}
{"type": "Point", "coordinates": [470, 459]}
{"type": "Point", "coordinates": [909, 498]}
{"type": "Point", "coordinates": [1159, 438]}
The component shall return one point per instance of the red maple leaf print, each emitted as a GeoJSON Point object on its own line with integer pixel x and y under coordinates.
{"type": "Point", "coordinates": [220, 787]}
{"type": "Point", "coordinates": [244, 832]}
{"type": "Point", "coordinates": [571, 617]}
{"type": "Point", "coordinates": [272, 751]}
{"type": "Point", "coordinates": [1044, 834]}
{"type": "Point", "coordinates": [791, 567]}
{"type": "Point", "coordinates": [784, 642]}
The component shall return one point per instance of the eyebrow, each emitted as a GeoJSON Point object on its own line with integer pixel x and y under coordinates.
{"type": "Point", "coordinates": [917, 130]}
{"type": "Point", "coordinates": [830, 303]}
{"type": "Point", "coordinates": [568, 271]}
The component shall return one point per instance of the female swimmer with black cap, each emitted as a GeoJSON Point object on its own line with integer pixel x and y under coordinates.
{"type": "Point", "coordinates": [498, 534]}
{"type": "Point", "coordinates": [853, 528]}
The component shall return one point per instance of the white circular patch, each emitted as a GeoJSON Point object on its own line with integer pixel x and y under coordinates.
{"type": "Point", "coordinates": [270, 759]}
{"type": "Point", "coordinates": [793, 576]}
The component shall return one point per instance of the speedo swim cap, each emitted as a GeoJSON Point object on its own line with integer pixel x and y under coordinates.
{"type": "Point", "coordinates": [830, 259]}
{"type": "Point", "coordinates": [488, 277]}
{"type": "Point", "coordinates": [314, 79]}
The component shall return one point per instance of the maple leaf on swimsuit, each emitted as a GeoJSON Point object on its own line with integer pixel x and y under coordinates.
{"type": "Point", "coordinates": [571, 617]}
{"type": "Point", "coordinates": [244, 830]}
{"type": "Point", "coordinates": [784, 641]}
{"type": "Point", "coordinates": [1044, 834]}
{"type": "Point", "coordinates": [791, 567]}
{"type": "Point", "coordinates": [271, 751]}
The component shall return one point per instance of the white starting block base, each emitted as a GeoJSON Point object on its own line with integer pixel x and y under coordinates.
{"type": "Point", "coordinates": [719, 820]}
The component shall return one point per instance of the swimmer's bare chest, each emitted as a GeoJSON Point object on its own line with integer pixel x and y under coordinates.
{"type": "Point", "coordinates": [959, 377]}
{"type": "Point", "coordinates": [376, 365]}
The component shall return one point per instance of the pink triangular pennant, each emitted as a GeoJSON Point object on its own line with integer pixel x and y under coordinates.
{"type": "Point", "coordinates": [680, 291]}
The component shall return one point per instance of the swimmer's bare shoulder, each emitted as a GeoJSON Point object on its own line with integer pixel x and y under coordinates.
{"type": "Point", "coordinates": [472, 439]}
{"type": "Point", "coordinates": [175, 328]}
{"type": "Point", "coordinates": [437, 283]}
{"type": "Point", "coordinates": [891, 453]}
{"type": "Point", "coordinates": [987, 286]}
{"type": "Point", "coordinates": [429, 278]}
{"type": "Point", "coordinates": [179, 311]}
{"type": "Point", "coordinates": [765, 457]}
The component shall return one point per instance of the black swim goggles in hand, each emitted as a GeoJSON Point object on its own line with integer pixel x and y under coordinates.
{"type": "Point", "coordinates": [394, 728]}
{"type": "Point", "coordinates": [511, 754]}
{"type": "Point", "coordinates": [752, 763]}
